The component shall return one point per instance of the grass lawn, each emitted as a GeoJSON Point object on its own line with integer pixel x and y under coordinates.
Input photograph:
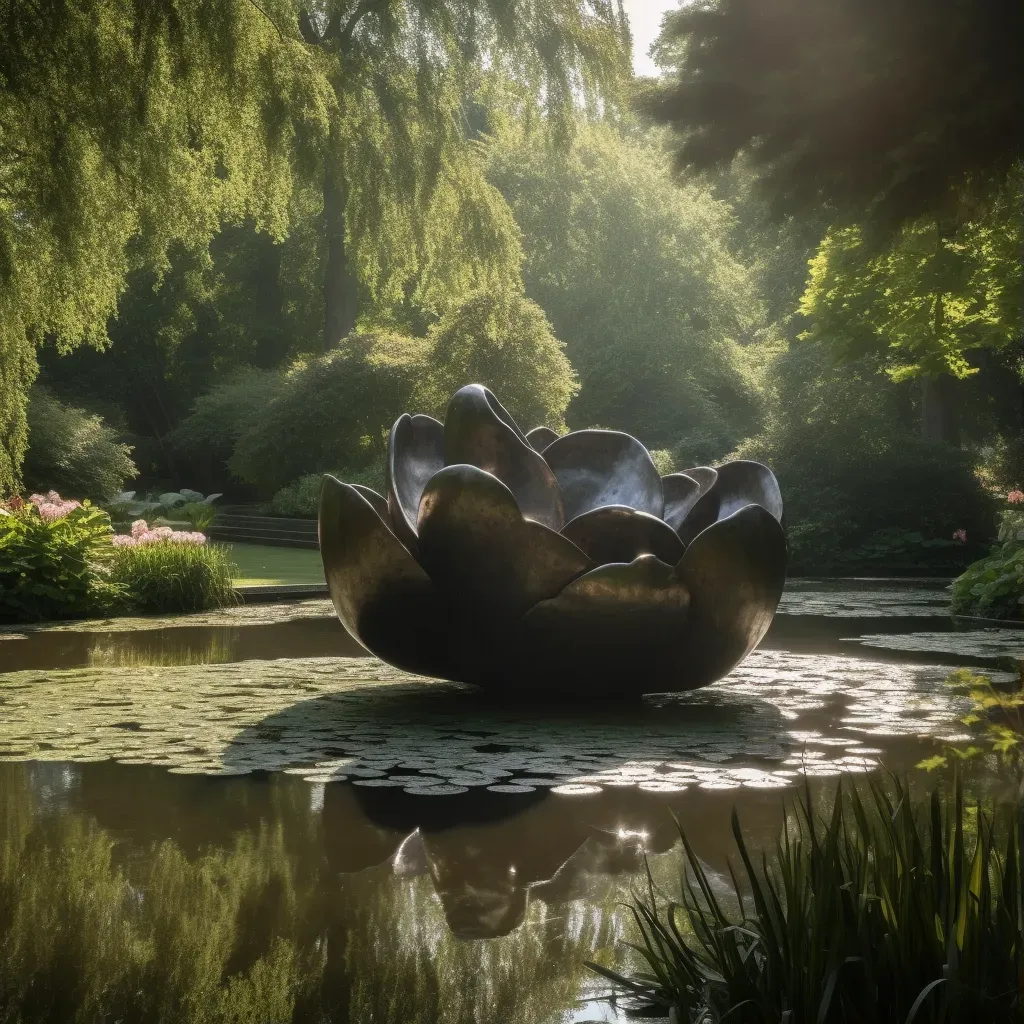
{"type": "Point", "coordinates": [260, 565]}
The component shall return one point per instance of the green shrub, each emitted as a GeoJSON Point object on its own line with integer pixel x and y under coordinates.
{"type": "Point", "coordinates": [503, 340]}
{"type": "Point", "coordinates": [863, 491]}
{"type": "Point", "coordinates": [663, 461]}
{"type": "Point", "coordinates": [332, 409]}
{"type": "Point", "coordinates": [883, 910]}
{"type": "Point", "coordinates": [221, 416]}
{"type": "Point", "coordinates": [198, 514]}
{"type": "Point", "coordinates": [53, 565]}
{"type": "Point", "coordinates": [73, 451]}
{"type": "Point", "coordinates": [993, 587]}
{"type": "Point", "coordinates": [301, 498]}
{"type": "Point", "coordinates": [167, 577]}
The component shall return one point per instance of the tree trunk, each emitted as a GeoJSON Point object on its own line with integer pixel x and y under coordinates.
{"type": "Point", "coordinates": [341, 296]}
{"type": "Point", "coordinates": [938, 409]}
{"type": "Point", "coordinates": [938, 415]}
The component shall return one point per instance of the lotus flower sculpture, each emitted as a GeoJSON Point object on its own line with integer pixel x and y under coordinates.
{"type": "Point", "coordinates": [559, 566]}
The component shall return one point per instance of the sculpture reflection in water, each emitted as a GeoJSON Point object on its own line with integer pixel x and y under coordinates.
{"type": "Point", "coordinates": [242, 903]}
{"type": "Point", "coordinates": [552, 565]}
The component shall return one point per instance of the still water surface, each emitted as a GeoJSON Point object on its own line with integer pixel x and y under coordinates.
{"type": "Point", "coordinates": [239, 817]}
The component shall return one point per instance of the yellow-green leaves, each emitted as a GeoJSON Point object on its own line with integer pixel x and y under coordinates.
{"type": "Point", "coordinates": [925, 301]}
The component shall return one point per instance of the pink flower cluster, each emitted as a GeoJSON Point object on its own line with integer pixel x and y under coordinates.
{"type": "Point", "coordinates": [960, 536]}
{"type": "Point", "coordinates": [142, 534]}
{"type": "Point", "coordinates": [52, 506]}
{"type": "Point", "coordinates": [1015, 497]}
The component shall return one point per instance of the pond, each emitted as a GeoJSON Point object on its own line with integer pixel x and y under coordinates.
{"type": "Point", "coordinates": [239, 816]}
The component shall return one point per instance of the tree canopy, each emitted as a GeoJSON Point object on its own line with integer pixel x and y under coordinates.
{"type": "Point", "coordinates": [126, 128]}
{"type": "Point", "coordinates": [887, 108]}
{"type": "Point", "coordinates": [929, 300]}
{"type": "Point", "coordinates": [639, 280]}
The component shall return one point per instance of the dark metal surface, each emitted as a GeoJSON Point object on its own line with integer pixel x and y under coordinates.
{"type": "Point", "coordinates": [609, 633]}
{"type": "Point", "coordinates": [541, 437]}
{"type": "Point", "coordinates": [604, 467]}
{"type": "Point", "coordinates": [481, 552]}
{"type": "Point", "coordinates": [378, 501]}
{"type": "Point", "coordinates": [479, 432]}
{"type": "Point", "coordinates": [704, 475]}
{"type": "Point", "coordinates": [383, 598]}
{"type": "Point", "coordinates": [681, 494]}
{"type": "Point", "coordinates": [735, 571]}
{"type": "Point", "coordinates": [415, 454]}
{"type": "Point", "coordinates": [616, 533]}
{"type": "Point", "coordinates": [738, 484]}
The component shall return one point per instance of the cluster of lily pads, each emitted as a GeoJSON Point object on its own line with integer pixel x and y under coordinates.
{"type": "Point", "coordinates": [552, 564]}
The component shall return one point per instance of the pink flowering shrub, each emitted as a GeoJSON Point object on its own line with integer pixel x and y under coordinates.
{"type": "Point", "coordinates": [1015, 497]}
{"type": "Point", "coordinates": [142, 533]}
{"type": "Point", "coordinates": [54, 556]}
{"type": "Point", "coordinates": [165, 571]}
{"type": "Point", "coordinates": [52, 506]}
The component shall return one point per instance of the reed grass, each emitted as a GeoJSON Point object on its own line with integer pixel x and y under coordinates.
{"type": "Point", "coordinates": [881, 910]}
{"type": "Point", "coordinates": [166, 578]}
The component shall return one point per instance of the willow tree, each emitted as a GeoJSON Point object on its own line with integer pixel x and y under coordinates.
{"type": "Point", "coordinates": [407, 210]}
{"type": "Point", "coordinates": [126, 127]}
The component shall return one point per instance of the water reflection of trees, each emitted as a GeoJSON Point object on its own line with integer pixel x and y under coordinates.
{"type": "Point", "coordinates": [256, 927]}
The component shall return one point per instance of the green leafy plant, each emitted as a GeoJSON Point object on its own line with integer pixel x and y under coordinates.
{"type": "Point", "coordinates": [167, 577]}
{"type": "Point", "coordinates": [301, 498]}
{"type": "Point", "coordinates": [53, 559]}
{"type": "Point", "coordinates": [993, 587]}
{"type": "Point", "coordinates": [882, 909]}
{"type": "Point", "coordinates": [996, 716]}
{"type": "Point", "coordinates": [198, 514]}
{"type": "Point", "coordinates": [72, 450]}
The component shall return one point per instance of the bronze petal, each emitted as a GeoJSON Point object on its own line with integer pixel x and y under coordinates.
{"type": "Point", "coordinates": [541, 437]}
{"type": "Point", "coordinates": [604, 467]}
{"type": "Point", "coordinates": [616, 533]}
{"type": "Point", "coordinates": [735, 571]}
{"type": "Point", "coordinates": [378, 501]}
{"type": "Point", "coordinates": [383, 598]}
{"type": "Point", "coordinates": [610, 633]}
{"type": "Point", "coordinates": [481, 552]}
{"type": "Point", "coordinates": [479, 432]}
{"type": "Point", "coordinates": [704, 475]}
{"type": "Point", "coordinates": [415, 454]}
{"type": "Point", "coordinates": [682, 492]}
{"type": "Point", "coordinates": [739, 484]}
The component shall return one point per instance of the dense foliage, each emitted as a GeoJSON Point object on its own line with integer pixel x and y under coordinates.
{"type": "Point", "coordinates": [637, 277]}
{"type": "Point", "coordinates": [73, 451]}
{"type": "Point", "coordinates": [126, 129]}
{"type": "Point", "coordinates": [54, 558]}
{"type": "Point", "coordinates": [993, 586]}
{"type": "Point", "coordinates": [885, 109]}
{"type": "Point", "coordinates": [336, 410]}
{"type": "Point", "coordinates": [862, 488]}
{"type": "Point", "coordinates": [504, 341]}
{"type": "Point", "coordinates": [929, 299]}
{"type": "Point", "coordinates": [328, 216]}
{"type": "Point", "coordinates": [824, 929]}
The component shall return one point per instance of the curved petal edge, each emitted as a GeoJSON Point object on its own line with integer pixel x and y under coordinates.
{"type": "Point", "coordinates": [735, 571]}
{"type": "Point", "coordinates": [382, 596]}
